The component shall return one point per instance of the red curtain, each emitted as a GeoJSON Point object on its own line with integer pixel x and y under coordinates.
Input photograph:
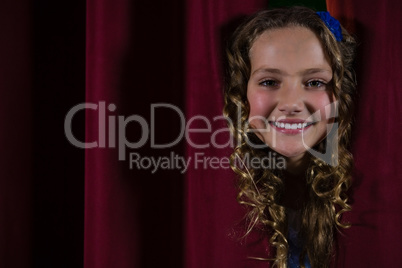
{"type": "Point", "coordinates": [133, 217]}
{"type": "Point", "coordinates": [375, 237]}
{"type": "Point", "coordinates": [63, 206]}
{"type": "Point", "coordinates": [213, 217]}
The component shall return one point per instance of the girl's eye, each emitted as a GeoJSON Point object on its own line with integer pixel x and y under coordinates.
{"type": "Point", "coordinates": [315, 83]}
{"type": "Point", "coordinates": [268, 83]}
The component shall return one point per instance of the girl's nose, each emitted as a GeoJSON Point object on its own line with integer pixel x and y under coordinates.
{"type": "Point", "coordinates": [290, 100]}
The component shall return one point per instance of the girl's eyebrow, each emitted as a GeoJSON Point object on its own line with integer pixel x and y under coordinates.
{"type": "Point", "coordinates": [316, 70]}
{"type": "Point", "coordinates": [268, 70]}
{"type": "Point", "coordinates": [303, 72]}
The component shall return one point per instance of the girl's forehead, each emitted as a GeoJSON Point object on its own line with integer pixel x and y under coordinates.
{"type": "Point", "coordinates": [288, 37]}
{"type": "Point", "coordinates": [290, 49]}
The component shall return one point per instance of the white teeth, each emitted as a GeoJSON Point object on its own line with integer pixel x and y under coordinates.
{"type": "Point", "coordinates": [290, 126]}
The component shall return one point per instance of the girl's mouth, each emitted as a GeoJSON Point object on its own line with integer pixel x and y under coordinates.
{"type": "Point", "coordinates": [291, 127]}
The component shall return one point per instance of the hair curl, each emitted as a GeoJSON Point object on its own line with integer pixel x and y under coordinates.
{"type": "Point", "coordinates": [260, 189]}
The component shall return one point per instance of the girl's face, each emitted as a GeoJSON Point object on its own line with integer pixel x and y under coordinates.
{"type": "Point", "coordinates": [288, 90]}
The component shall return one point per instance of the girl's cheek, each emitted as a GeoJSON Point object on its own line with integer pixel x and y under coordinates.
{"type": "Point", "coordinates": [321, 101]}
{"type": "Point", "coordinates": [323, 98]}
{"type": "Point", "coordinates": [261, 104]}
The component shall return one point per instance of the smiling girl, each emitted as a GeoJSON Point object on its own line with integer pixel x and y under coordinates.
{"type": "Point", "coordinates": [289, 87]}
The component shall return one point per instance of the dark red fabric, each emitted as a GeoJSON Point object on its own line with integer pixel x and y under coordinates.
{"type": "Point", "coordinates": [133, 218]}
{"type": "Point", "coordinates": [212, 214]}
{"type": "Point", "coordinates": [375, 237]}
{"type": "Point", "coordinates": [16, 135]}
{"type": "Point", "coordinates": [108, 198]}
{"type": "Point", "coordinates": [62, 206]}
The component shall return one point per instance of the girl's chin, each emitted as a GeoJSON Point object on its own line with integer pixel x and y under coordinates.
{"type": "Point", "coordinates": [292, 150]}
{"type": "Point", "coordinates": [296, 151]}
{"type": "Point", "coordinates": [292, 155]}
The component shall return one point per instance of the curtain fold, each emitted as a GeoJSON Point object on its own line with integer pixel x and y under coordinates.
{"type": "Point", "coordinates": [133, 215]}
{"type": "Point", "coordinates": [110, 236]}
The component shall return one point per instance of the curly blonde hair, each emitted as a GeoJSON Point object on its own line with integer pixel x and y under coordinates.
{"type": "Point", "coordinates": [261, 189]}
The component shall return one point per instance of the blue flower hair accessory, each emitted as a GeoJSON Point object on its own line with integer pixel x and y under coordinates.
{"type": "Point", "coordinates": [333, 24]}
